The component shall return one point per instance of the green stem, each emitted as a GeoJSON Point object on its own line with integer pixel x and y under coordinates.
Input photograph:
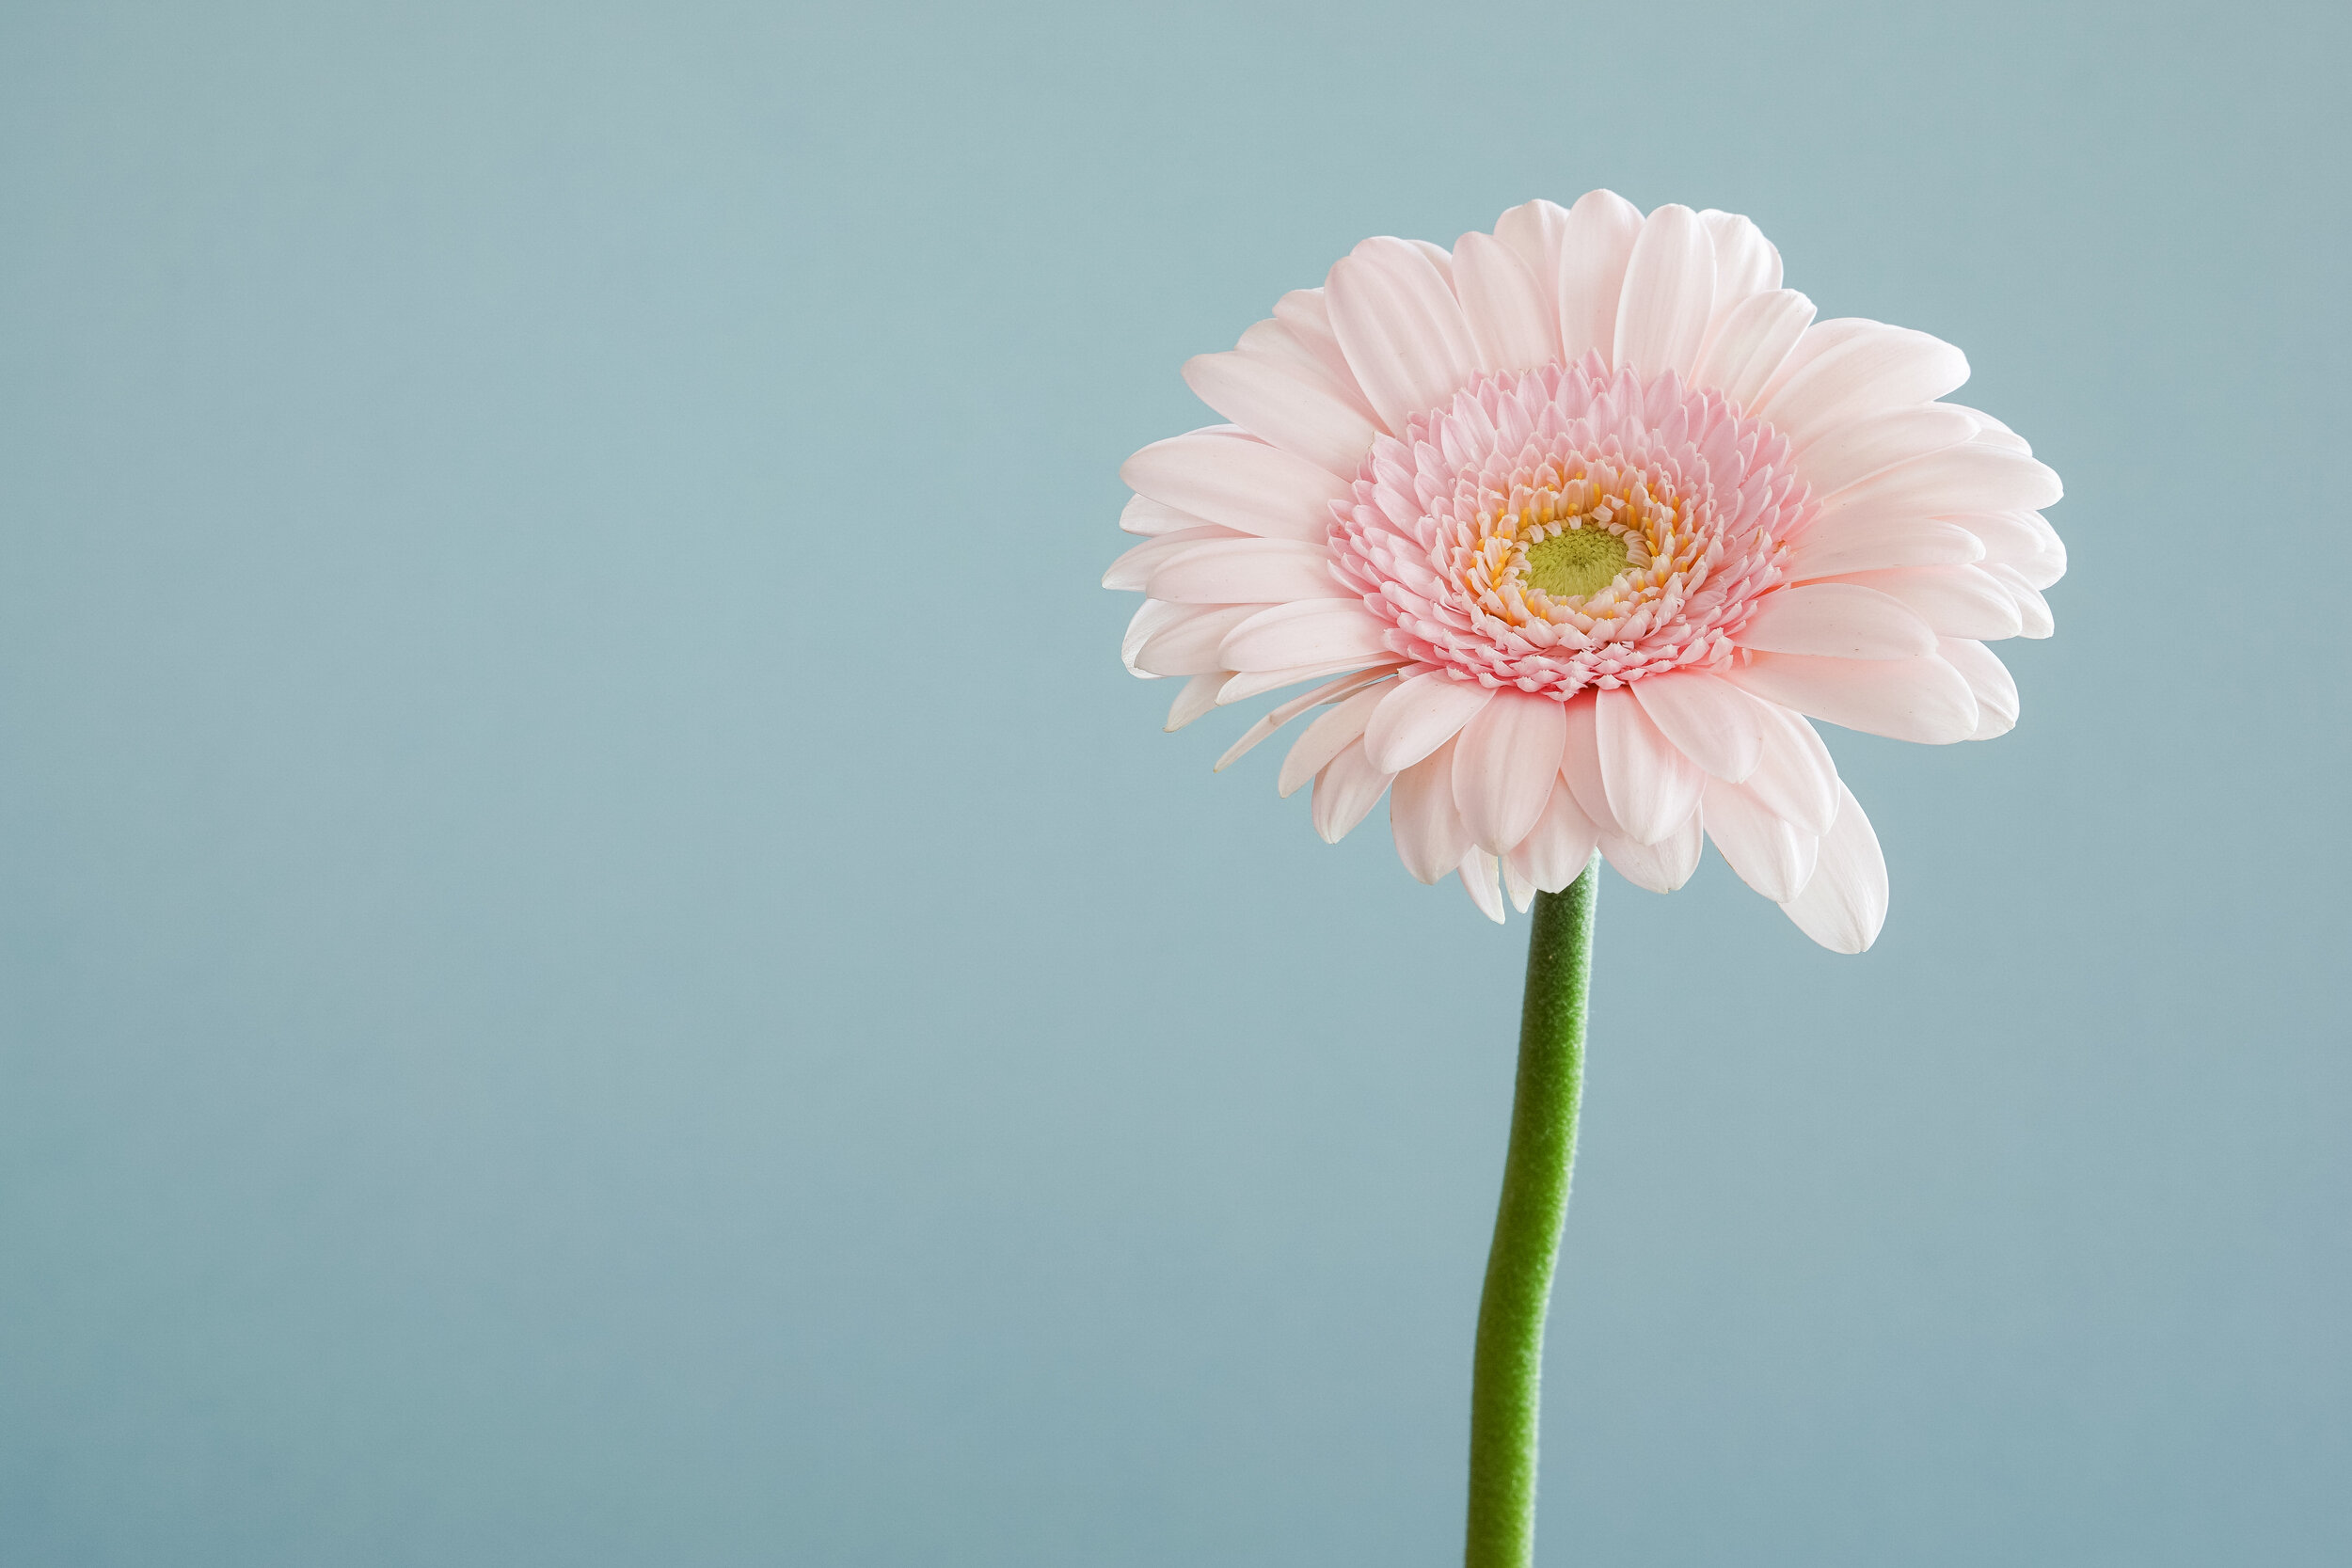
{"type": "Point", "coordinates": [1506, 1378]}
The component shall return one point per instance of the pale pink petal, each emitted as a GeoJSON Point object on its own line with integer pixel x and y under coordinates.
{"type": "Point", "coordinates": [1238, 481]}
{"type": "Point", "coordinates": [1511, 315]}
{"type": "Point", "coordinates": [1995, 688]}
{"type": "Point", "coordinates": [1594, 245]}
{"type": "Point", "coordinates": [1768, 853]}
{"type": "Point", "coordinates": [1662, 866]}
{"type": "Point", "coordinates": [1746, 266]}
{"type": "Point", "coordinates": [1809, 853]}
{"type": "Point", "coordinates": [1311, 357]}
{"type": "Point", "coordinates": [1535, 231]}
{"type": "Point", "coordinates": [1846, 453]}
{"type": "Point", "coordinates": [1992, 433]}
{"type": "Point", "coordinates": [1252, 683]}
{"type": "Point", "coordinates": [1795, 777]}
{"type": "Point", "coordinates": [1305, 315]}
{"type": "Point", "coordinates": [1345, 792]}
{"type": "Point", "coordinates": [1835, 332]}
{"type": "Point", "coordinates": [1749, 342]}
{"type": "Point", "coordinates": [1401, 328]}
{"type": "Point", "coordinates": [1650, 784]}
{"type": "Point", "coordinates": [1905, 699]}
{"type": "Point", "coordinates": [1133, 570]}
{"type": "Point", "coordinates": [1419, 715]}
{"type": "Point", "coordinates": [1156, 519]}
{"type": "Point", "coordinates": [1280, 346]}
{"type": "Point", "coordinates": [1477, 870]}
{"type": "Point", "coordinates": [1958, 601]}
{"type": "Point", "coordinates": [1246, 570]}
{"type": "Point", "coordinates": [1326, 739]}
{"type": "Point", "coordinates": [1196, 698]}
{"type": "Point", "coordinates": [1579, 764]}
{"type": "Point", "coordinates": [1839, 547]}
{"type": "Point", "coordinates": [1305, 631]}
{"type": "Point", "coordinates": [1294, 410]}
{"type": "Point", "coordinates": [1504, 766]}
{"type": "Point", "coordinates": [1329, 692]}
{"type": "Point", "coordinates": [2023, 540]}
{"type": "Point", "coordinates": [1148, 623]}
{"type": "Point", "coordinates": [1844, 904]}
{"type": "Point", "coordinates": [1710, 720]}
{"type": "Point", "coordinates": [1188, 646]}
{"type": "Point", "coordinates": [1837, 620]}
{"type": "Point", "coordinates": [1514, 882]}
{"type": "Point", "coordinates": [1430, 838]}
{"type": "Point", "coordinates": [1746, 263]}
{"type": "Point", "coordinates": [1669, 295]}
{"type": "Point", "coordinates": [1870, 368]}
{"type": "Point", "coordinates": [2039, 573]}
{"type": "Point", "coordinates": [1968, 478]}
{"type": "Point", "coordinates": [2033, 610]}
{"type": "Point", "coordinates": [1556, 851]}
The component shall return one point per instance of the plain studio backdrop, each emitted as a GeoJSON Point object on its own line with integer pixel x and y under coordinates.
{"type": "Point", "coordinates": [601, 965]}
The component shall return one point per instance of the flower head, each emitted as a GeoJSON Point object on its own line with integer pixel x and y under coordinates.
{"type": "Point", "coordinates": [1575, 525]}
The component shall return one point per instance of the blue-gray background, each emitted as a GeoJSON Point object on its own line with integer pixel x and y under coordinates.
{"type": "Point", "coordinates": [599, 964]}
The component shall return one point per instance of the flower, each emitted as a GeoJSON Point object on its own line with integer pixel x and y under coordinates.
{"type": "Point", "coordinates": [1577, 525]}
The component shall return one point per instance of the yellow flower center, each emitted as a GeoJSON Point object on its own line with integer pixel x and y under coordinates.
{"type": "Point", "coordinates": [1575, 562]}
{"type": "Point", "coordinates": [1597, 549]}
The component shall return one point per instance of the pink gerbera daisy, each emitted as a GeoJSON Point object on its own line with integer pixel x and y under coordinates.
{"type": "Point", "coordinates": [1575, 525]}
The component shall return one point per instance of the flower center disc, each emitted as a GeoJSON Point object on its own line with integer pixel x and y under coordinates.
{"type": "Point", "coordinates": [1575, 562]}
{"type": "Point", "coordinates": [1569, 527]}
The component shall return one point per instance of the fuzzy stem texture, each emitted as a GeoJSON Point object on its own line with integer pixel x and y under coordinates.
{"type": "Point", "coordinates": [1507, 1373]}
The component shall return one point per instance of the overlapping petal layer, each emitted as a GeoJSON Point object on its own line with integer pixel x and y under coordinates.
{"type": "Point", "coordinates": [1576, 525]}
{"type": "Point", "coordinates": [1565, 528]}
